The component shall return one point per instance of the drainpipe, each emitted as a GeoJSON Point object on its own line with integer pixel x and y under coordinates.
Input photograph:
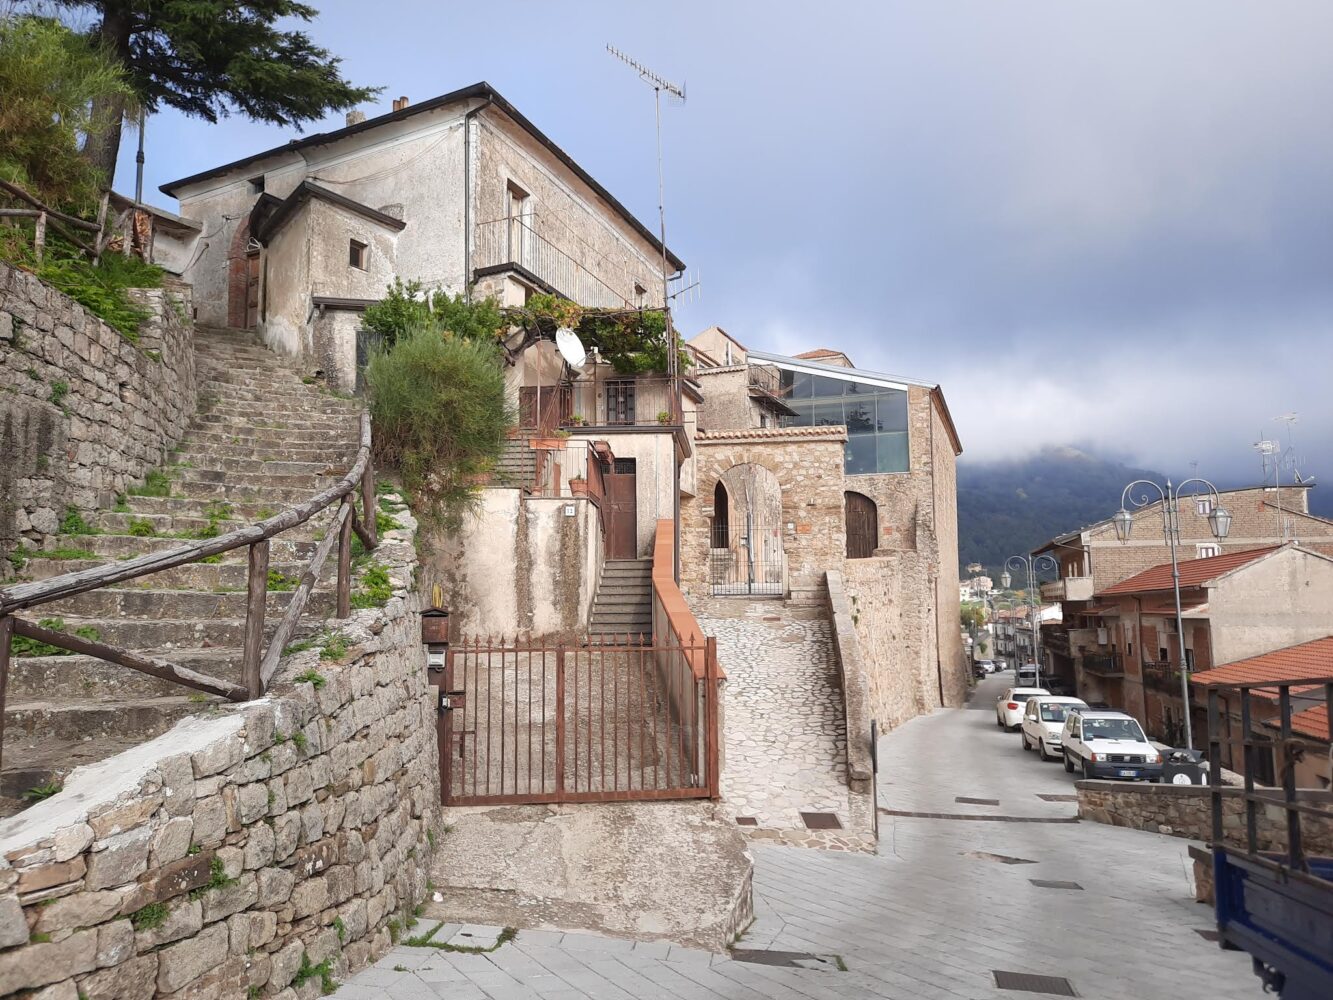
{"type": "Point", "coordinates": [467, 196]}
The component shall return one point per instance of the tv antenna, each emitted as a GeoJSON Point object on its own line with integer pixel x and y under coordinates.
{"type": "Point", "coordinates": [1277, 459]}
{"type": "Point", "coordinates": [660, 84]}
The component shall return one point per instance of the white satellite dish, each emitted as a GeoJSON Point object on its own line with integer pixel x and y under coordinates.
{"type": "Point", "coordinates": [571, 348]}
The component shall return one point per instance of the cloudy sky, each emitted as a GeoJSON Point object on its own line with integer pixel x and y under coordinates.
{"type": "Point", "coordinates": [1102, 223]}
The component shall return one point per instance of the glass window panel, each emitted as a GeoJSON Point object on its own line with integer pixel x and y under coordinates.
{"type": "Point", "coordinates": [861, 456]}
{"type": "Point", "coordinates": [860, 415]}
{"type": "Point", "coordinates": [827, 412]}
{"type": "Point", "coordinates": [797, 385]}
{"type": "Point", "coordinates": [892, 410]}
{"type": "Point", "coordinates": [892, 450]}
{"type": "Point", "coordinates": [825, 386]}
{"type": "Point", "coordinates": [802, 418]}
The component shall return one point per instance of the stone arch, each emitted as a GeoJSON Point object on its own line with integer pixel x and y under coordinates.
{"type": "Point", "coordinates": [239, 256]}
{"type": "Point", "coordinates": [751, 558]}
{"type": "Point", "coordinates": [720, 529]}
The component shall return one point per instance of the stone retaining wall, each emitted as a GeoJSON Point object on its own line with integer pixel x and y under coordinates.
{"type": "Point", "coordinates": [251, 852]}
{"type": "Point", "coordinates": [84, 413]}
{"type": "Point", "coordinates": [1186, 811]}
{"type": "Point", "coordinates": [852, 668]}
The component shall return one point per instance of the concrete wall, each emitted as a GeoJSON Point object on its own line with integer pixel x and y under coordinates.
{"type": "Point", "coordinates": [123, 408]}
{"type": "Point", "coordinates": [1278, 601]}
{"type": "Point", "coordinates": [654, 455]}
{"type": "Point", "coordinates": [519, 565]}
{"type": "Point", "coordinates": [217, 859]}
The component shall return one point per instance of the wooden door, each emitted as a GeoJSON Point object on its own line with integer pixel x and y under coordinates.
{"type": "Point", "coordinates": [862, 526]}
{"type": "Point", "coordinates": [621, 511]}
{"type": "Point", "coordinates": [251, 291]}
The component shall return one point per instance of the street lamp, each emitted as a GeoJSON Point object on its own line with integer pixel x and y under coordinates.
{"type": "Point", "coordinates": [1031, 566]}
{"type": "Point", "coordinates": [1219, 522]}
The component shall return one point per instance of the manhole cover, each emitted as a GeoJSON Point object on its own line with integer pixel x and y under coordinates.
{"type": "Point", "coordinates": [789, 959]}
{"type": "Point", "coordinates": [1054, 985]}
{"type": "Point", "coordinates": [976, 802]}
{"type": "Point", "coordinates": [1206, 934]}
{"type": "Point", "coordinates": [1043, 883]}
{"type": "Point", "coordinates": [1057, 798]}
{"type": "Point", "coordinates": [820, 821]}
{"type": "Point", "coordinates": [746, 821]}
{"type": "Point", "coordinates": [1003, 859]}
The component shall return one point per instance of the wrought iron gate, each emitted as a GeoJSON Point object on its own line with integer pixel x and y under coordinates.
{"type": "Point", "coordinates": [746, 559]}
{"type": "Point", "coordinates": [538, 723]}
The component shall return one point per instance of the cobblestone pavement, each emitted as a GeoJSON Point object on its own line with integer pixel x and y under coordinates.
{"type": "Point", "coordinates": [930, 918]}
{"type": "Point", "coordinates": [786, 739]}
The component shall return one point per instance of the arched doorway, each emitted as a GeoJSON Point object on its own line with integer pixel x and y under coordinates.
{"type": "Point", "coordinates": [721, 526]}
{"type": "Point", "coordinates": [746, 554]}
{"type": "Point", "coordinates": [862, 525]}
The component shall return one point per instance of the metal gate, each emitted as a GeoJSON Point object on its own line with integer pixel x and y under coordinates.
{"type": "Point", "coordinates": [746, 559]}
{"type": "Point", "coordinates": [538, 723]}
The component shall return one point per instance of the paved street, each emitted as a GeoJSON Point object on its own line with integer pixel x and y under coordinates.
{"type": "Point", "coordinates": [930, 917]}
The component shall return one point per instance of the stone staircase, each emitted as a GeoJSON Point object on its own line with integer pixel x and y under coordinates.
{"type": "Point", "coordinates": [517, 466]}
{"type": "Point", "coordinates": [624, 602]}
{"type": "Point", "coordinates": [262, 441]}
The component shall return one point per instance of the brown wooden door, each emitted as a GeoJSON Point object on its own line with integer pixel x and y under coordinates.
{"type": "Point", "coordinates": [621, 510]}
{"type": "Point", "coordinates": [251, 291]}
{"type": "Point", "coordinates": [862, 526]}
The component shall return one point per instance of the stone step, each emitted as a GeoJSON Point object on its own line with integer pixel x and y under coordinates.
{"type": "Point", "coordinates": [618, 619]}
{"type": "Point", "coordinates": [73, 722]}
{"type": "Point", "coordinates": [201, 452]}
{"type": "Point", "coordinates": [75, 677]}
{"type": "Point", "coordinates": [215, 466]}
{"type": "Point", "coordinates": [38, 761]}
{"type": "Point", "coordinates": [222, 420]}
{"type": "Point", "coordinates": [138, 603]}
{"type": "Point", "coordinates": [112, 547]}
{"type": "Point", "coordinates": [188, 526]}
{"type": "Point", "coordinates": [135, 633]}
{"type": "Point", "coordinates": [230, 574]}
{"type": "Point", "coordinates": [279, 406]}
{"type": "Point", "coordinates": [310, 482]}
{"type": "Point", "coordinates": [246, 511]}
{"type": "Point", "coordinates": [278, 496]}
{"type": "Point", "coordinates": [203, 435]}
{"type": "Point", "coordinates": [236, 388]}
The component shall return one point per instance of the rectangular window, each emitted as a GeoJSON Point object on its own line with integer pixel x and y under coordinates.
{"type": "Point", "coordinates": [356, 254]}
{"type": "Point", "coordinates": [1207, 551]}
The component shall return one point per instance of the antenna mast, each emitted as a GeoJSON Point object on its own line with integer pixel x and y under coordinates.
{"type": "Point", "coordinates": [659, 84]}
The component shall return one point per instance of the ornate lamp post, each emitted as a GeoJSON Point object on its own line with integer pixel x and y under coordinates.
{"type": "Point", "coordinates": [1031, 566]}
{"type": "Point", "coordinates": [1219, 522]}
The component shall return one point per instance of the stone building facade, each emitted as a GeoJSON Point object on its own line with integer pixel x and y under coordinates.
{"type": "Point", "coordinates": [84, 413]}
{"type": "Point", "coordinates": [460, 192]}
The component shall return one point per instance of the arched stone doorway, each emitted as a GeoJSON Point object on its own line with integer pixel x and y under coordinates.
{"type": "Point", "coordinates": [862, 525]}
{"type": "Point", "coordinates": [746, 554]}
{"type": "Point", "coordinates": [243, 279]}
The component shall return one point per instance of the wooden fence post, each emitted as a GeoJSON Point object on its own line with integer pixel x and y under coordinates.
{"type": "Point", "coordinates": [6, 632]}
{"type": "Point", "coordinates": [256, 596]}
{"type": "Point", "coordinates": [345, 562]}
{"type": "Point", "coordinates": [368, 507]}
{"type": "Point", "coordinates": [39, 236]}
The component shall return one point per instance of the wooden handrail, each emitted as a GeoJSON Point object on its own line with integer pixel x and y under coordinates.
{"type": "Point", "coordinates": [258, 666]}
{"type": "Point", "coordinates": [28, 595]}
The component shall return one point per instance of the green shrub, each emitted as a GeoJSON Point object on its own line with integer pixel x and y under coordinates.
{"type": "Point", "coordinates": [313, 677]}
{"type": "Point", "coordinates": [141, 527]}
{"type": "Point", "coordinates": [150, 916]}
{"type": "Point", "coordinates": [335, 648]}
{"type": "Point", "coordinates": [43, 791]}
{"type": "Point", "coordinates": [440, 414]}
{"type": "Point", "coordinates": [375, 589]}
{"type": "Point", "coordinates": [406, 307]}
{"type": "Point", "coordinates": [74, 524]}
{"type": "Point", "coordinates": [281, 582]}
{"type": "Point", "coordinates": [59, 390]}
{"type": "Point", "coordinates": [21, 645]}
{"type": "Point", "coordinates": [156, 483]}
{"type": "Point", "coordinates": [101, 289]}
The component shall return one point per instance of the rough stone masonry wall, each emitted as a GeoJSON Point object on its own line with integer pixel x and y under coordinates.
{"type": "Point", "coordinates": [243, 854]}
{"type": "Point", "coordinates": [83, 412]}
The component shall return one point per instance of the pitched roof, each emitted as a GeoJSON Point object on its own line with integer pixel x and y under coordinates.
{"type": "Point", "coordinates": [1307, 661]}
{"type": "Point", "coordinates": [477, 91]}
{"type": "Point", "coordinates": [273, 218]}
{"type": "Point", "coordinates": [820, 352]}
{"type": "Point", "coordinates": [1193, 572]}
{"type": "Point", "coordinates": [1312, 722]}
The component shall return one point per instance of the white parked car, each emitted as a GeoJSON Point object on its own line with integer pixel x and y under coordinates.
{"type": "Point", "coordinates": [1043, 720]}
{"type": "Point", "coordinates": [1009, 706]}
{"type": "Point", "coordinates": [1109, 745]}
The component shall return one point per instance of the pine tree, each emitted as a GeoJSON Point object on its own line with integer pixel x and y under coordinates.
{"type": "Point", "coordinates": [210, 58]}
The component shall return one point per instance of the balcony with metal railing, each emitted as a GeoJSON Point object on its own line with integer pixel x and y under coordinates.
{"type": "Point", "coordinates": [602, 402]}
{"type": "Point", "coordinates": [1161, 676]}
{"type": "Point", "coordinates": [513, 244]}
{"type": "Point", "coordinates": [1104, 664]}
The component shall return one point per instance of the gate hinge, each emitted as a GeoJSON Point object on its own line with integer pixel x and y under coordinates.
{"type": "Point", "coordinates": [450, 700]}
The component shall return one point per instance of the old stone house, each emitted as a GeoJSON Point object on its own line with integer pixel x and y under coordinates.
{"type": "Point", "coordinates": [460, 192]}
{"type": "Point", "coordinates": [1234, 607]}
{"type": "Point", "coordinates": [807, 465]}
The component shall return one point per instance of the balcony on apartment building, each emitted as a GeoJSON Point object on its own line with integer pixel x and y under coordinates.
{"type": "Point", "coordinates": [1070, 588]}
{"type": "Point", "coordinates": [513, 245]}
{"type": "Point", "coordinates": [1161, 676]}
{"type": "Point", "coordinates": [1104, 664]}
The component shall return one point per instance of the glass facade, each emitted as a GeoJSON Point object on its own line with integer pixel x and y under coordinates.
{"type": "Point", "coordinates": [875, 417]}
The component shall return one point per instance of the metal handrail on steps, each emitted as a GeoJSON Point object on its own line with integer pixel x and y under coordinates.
{"type": "Point", "coordinates": [258, 665]}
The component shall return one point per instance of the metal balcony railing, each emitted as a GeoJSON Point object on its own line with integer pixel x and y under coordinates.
{"type": "Point", "coordinates": [1104, 665]}
{"type": "Point", "coordinates": [602, 402]}
{"type": "Point", "coordinates": [1161, 676]}
{"type": "Point", "coordinates": [513, 242]}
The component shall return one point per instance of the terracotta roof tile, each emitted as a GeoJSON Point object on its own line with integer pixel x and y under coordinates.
{"type": "Point", "coordinates": [1312, 722]}
{"type": "Point", "coordinates": [819, 352]}
{"type": "Point", "coordinates": [834, 432]}
{"type": "Point", "coordinates": [1307, 661]}
{"type": "Point", "coordinates": [1193, 572]}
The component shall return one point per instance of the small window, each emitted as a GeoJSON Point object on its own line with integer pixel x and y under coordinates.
{"type": "Point", "coordinates": [640, 295]}
{"type": "Point", "coordinates": [257, 184]}
{"type": "Point", "coordinates": [356, 254]}
{"type": "Point", "coordinates": [1203, 506]}
{"type": "Point", "coordinates": [1207, 551]}
{"type": "Point", "coordinates": [1162, 655]}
